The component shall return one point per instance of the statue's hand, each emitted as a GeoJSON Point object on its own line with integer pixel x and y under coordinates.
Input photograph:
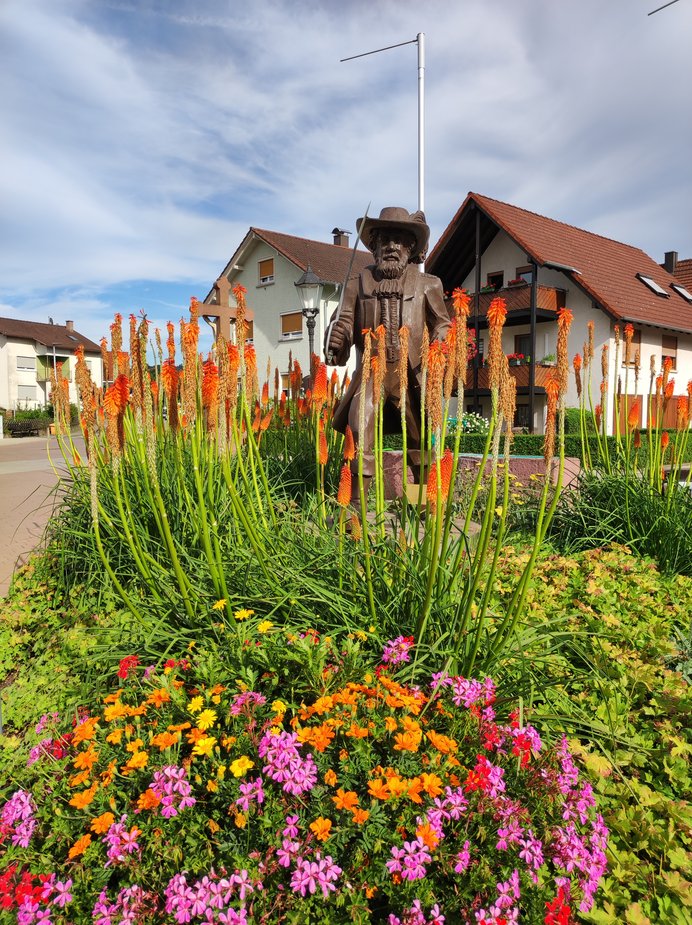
{"type": "Point", "coordinates": [338, 337]}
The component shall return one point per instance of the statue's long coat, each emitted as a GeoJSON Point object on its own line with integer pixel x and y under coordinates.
{"type": "Point", "coordinates": [423, 303]}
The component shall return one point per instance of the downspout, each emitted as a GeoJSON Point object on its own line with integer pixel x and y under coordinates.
{"type": "Point", "coordinates": [532, 362]}
{"type": "Point", "coordinates": [476, 311]}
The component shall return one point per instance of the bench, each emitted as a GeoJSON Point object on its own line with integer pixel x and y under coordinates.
{"type": "Point", "coordinates": [26, 428]}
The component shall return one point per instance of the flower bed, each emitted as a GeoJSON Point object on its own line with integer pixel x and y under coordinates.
{"type": "Point", "coordinates": [179, 802]}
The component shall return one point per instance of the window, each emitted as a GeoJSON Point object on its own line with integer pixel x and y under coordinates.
{"type": "Point", "coordinates": [682, 291]}
{"type": "Point", "coordinates": [291, 325]}
{"type": "Point", "coordinates": [285, 383]}
{"type": "Point", "coordinates": [266, 271]}
{"type": "Point", "coordinates": [634, 349]}
{"type": "Point", "coordinates": [525, 273]}
{"type": "Point", "coordinates": [249, 332]}
{"type": "Point", "coordinates": [26, 393]}
{"type": "Point", "coordinates": [669, 350]}
{"type": "Point", "coordinates": [521, 416]}
{"type": "Point", "coordinates": [496, 280]}
{"type": "Point", "coordinates": [653, 285]}
{"type": "Point", "coordinates": [522, 345]}
{"type": "Point", "coordinates": [26, 363]}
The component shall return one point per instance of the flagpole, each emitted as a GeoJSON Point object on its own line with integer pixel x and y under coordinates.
{"type": "Point", "coordinates": [420, 42]}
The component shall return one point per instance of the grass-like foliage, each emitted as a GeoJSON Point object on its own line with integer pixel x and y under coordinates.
{"type": "Point", "coordinates": [188, 497]}
{"type": "Point", "coordinates": [635, 488]}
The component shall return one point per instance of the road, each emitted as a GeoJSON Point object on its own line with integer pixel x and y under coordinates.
{"type": "Point", "coordinates": [29, 494]}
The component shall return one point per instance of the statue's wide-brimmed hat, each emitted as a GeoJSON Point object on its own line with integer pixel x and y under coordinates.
{"type": "Point", "coordinates": [396, 218]}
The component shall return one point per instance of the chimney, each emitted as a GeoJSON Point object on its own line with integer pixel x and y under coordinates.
{"type": "Point", "coordinates": [340, 237]}
{"type": "Point", "coordinates": [670, 261]}
{"type": "Point", "coordinates": [69, 325]}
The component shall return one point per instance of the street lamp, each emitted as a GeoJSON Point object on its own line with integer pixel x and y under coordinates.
{"type": "Point", "coordinates": [309, 286]}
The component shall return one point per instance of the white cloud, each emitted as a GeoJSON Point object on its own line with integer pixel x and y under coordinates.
{"type": "Point", "coordinates": [141, 140]}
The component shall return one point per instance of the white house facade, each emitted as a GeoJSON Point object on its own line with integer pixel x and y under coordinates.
{"type": "Point", "coordinates": [268, 264]}
{"type": "Point", "coordinates": [540, 265]}
{"type": "Point", "coordinates": [30, 351]}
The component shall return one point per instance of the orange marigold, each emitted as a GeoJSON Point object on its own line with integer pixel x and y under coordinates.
{"type": "Point", "coordinates": [85, 731]}
{"type": "Point", "coordinates": [83, 799]}
{"type": "Point", "coordinates": [79, 847]}
{"type": "Point", "coordinates": [148, 800]}
{"type": "Point", "coordinates": [321, 827]}
{"type": "Point", "coordinates": [345, 799]}
{"type": "Point", "coordinates": [102, 823]}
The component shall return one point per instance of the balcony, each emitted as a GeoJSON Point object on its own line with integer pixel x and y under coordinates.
{"type": "Point", "coordinates": [519, 373]}
{"type": "Point", "coordinates": [518, 299]}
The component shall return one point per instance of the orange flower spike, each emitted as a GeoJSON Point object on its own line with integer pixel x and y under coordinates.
{"type": "Point", "coordinates": [665, 439]}
{"type": "Point", "coordinates": [266, 420]}
{"type": "Point", "coordinates": [349, 445]}
{"type": "Point", "coordinates": [210, 385]}
{"type": "Point", "coordinates": [564, 317]}
{"type": "Point", "coordinates": [320, 392]}
{"type": "Point", "coordinates": [669, 389]}
{"type": "Point", "coordinates": [637, 439]}
{"type": "Point", "coordinates": [345, 487]}
{"type": "Point", "coordinates": [633, 416]}
{"type": "Point", "coordinates": [323, 449]}
{"type": "Point", "coordinates": [265, 395]}
{"type": "Point", "coordinates": [598, 412]}
{"type": "Point", "coordinates": [461, 300]}
{"type": "Point", "coordinates": [257, 419]}
{"type": "Point", "coordinates": [497, 312]}
{"type": "Point", "coordinates": [446, 466]}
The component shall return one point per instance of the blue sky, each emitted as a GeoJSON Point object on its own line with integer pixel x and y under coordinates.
{"type": "Point", "coordinates": [142, 138]}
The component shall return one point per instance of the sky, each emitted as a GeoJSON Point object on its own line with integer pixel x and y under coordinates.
{"type": "Point", "coordinates": [142, 138]}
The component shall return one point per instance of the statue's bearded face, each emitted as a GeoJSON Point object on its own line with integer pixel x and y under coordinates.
{"type": "Point", "coordinates": [392, 252]}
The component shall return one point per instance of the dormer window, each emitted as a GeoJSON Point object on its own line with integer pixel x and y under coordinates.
{"type": "Point", "coordinates": [681, 291]}
{"type": "Point", "coordinates": [653, 285]}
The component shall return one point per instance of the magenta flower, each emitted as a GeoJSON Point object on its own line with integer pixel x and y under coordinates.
{"type": "Point", "coordinates": [397, 650]}
{"type": "Point", "coordinates": [309, 875]}
{"type": "Point", "coordinates": [410, 860]}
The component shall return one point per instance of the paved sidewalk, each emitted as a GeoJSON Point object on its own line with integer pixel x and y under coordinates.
{"type": "Point", "coordinates": [29, 495]}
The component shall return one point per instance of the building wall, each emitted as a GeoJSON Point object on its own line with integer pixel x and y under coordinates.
{"type": "Point", "coordinates": [269, 301]}
{"type": "Point", "coordinates": [503, 255]}
{"type": "Point", "coordinates": [15, 382]}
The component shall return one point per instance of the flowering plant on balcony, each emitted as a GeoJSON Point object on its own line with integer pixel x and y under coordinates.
{"type": "Point", "coordinates": [519, 281]}
{"type": "Point", "coordinates": [517, 359]}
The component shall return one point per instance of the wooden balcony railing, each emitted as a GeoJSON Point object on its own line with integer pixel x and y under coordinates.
{"type": "Point", "coordinates": [518, 299]}
{"type": "Point", "coordinates": [519, 373]}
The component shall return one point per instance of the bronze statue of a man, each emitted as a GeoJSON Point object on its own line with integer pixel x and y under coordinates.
{"type": "Point", "coordinates": [394, 293]}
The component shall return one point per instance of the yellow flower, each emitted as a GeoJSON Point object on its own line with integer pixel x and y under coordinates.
{"type": "Point", "coordinates": [219, 605]}
{"type": "Point", "coordinates": [240, 820]}
{"type": "Point", "coordinates": [279, 706]}
{"type": "Point", "coordinates": [241, 766]}
{"type": "Point", "coordinates": [216, 699]}
{"type": "Point", "coordinates": [212, 786]}
{"type": "Point", "coordinates": [204, 746]}
{"type": "Point", "coordinates": [264, 626]}
{"type": "Point", "coordinates": [228, 742]}
{"type": "Point", "coordinates": [206, 719]}
{"type": "Point", "coordinates": [221, 771]}
{"type": "Point", "coordinates": [243, 614]}
{"type": "Point", "coordinates": [196, 704]}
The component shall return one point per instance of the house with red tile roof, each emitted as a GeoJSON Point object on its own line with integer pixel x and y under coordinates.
{"type": "Point", "coordinates": [268, 264]}
{"type": "Point", "coordinates": [30, 351]}
{"type": "Point", "coordinates": [539, 265]}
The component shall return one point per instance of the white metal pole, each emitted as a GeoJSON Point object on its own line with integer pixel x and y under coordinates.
{"type": "Point", "coordinates": [420, 38]}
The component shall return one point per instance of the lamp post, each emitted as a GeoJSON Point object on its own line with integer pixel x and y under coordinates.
{"type": "Point", "coordinates": [309, 286]}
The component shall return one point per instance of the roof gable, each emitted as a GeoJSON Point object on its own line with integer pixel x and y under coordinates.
{"type": "Point", "coordinates": [48, 335]}
{"type": "Point", "coordinates": [329, 261]}
{"type": "Point", "coordinates": [607, 269]}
